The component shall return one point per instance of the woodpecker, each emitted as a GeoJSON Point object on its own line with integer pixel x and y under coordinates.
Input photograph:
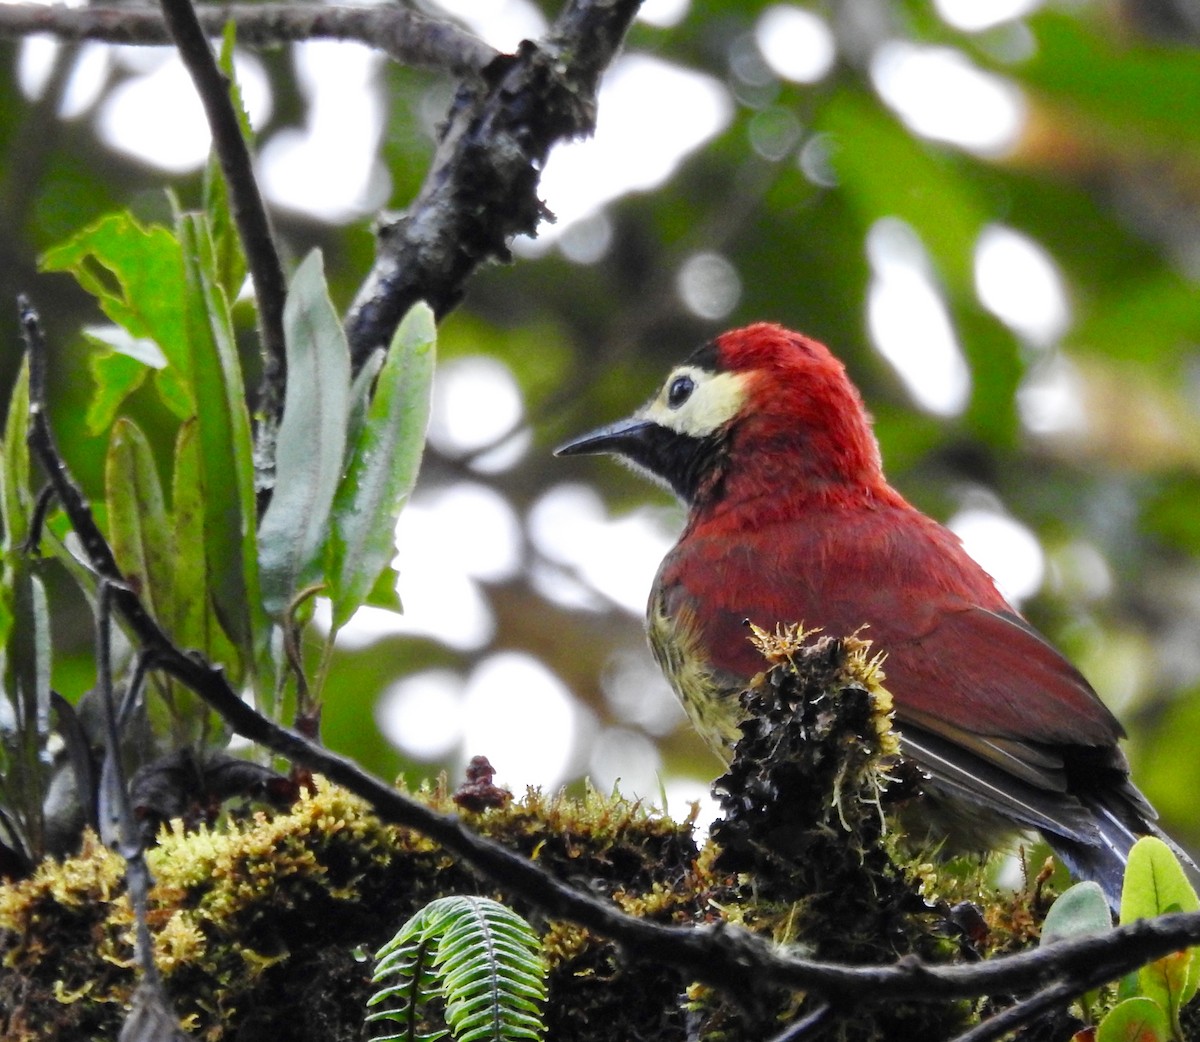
{"type": "Point", "coordinates": [790, 520]}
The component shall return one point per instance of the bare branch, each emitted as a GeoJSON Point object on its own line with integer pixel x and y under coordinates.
{"type": "Point", "coordinates": [406, 36]}
{"type": "Point", "coordinates": [249, 213]}
{"type": "Point", "coordinates": [481, 189]}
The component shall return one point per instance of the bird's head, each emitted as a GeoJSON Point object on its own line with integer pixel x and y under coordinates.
{"type": "Point", "coordinates": [760, 405]}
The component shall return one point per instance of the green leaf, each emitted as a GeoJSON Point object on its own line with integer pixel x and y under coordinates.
{"type": "Point", "coordinates": [1080, 911]}
{"type": "Point", "coordinates": [480, 957]}
{"type": "Point", "coordinates": [385, 593]}
{"type": "Point", "coordinates": [920, 184]}
{"type": "Point", "coordinates": [312, 439]}
{"type": "Point", "coordinates": [227, 244]}
{"type": "Point", "coordinates": [1155, 884]}
{"type": "Point", "coordinates": [195, 624]}
{"type": "Point", "coordinates": [225, 447]}
{"type": "Point", "coordinates": [383, 467]}
{"type": "Point", "coordinates": [115, 377]}
{"type": "Point", "coordinates": [138, 528]}
{"type": "Point", "coordinates": [136, 275]}
{"type": "Point", "coordinates": [1135, 1020]}
{"type": "Point", "coordinates": [15, 501]}
{"type": "Point", "coordinates": [1138, 93]}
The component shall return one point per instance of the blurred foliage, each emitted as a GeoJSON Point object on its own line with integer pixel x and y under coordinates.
{"type": "Point", "coordinates": [1105, 175]}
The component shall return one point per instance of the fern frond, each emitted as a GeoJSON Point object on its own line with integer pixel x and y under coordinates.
{"type": "Point", "coordinates": [480, 957]}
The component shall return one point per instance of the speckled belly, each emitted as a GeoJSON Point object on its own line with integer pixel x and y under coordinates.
{"type": "Point", "coordinates": [710, 699]}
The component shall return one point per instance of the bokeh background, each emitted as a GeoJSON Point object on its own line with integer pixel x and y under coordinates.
{"type": "Point", "coordinates": [989, 208]}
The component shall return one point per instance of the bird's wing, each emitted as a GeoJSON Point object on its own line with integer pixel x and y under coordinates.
{"type": "Point", "coordinates": [983, 702]}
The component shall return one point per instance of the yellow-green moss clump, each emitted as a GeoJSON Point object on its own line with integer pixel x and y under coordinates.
{"type": "Point", "coordinates": [257, 922]}
{"type": "Point", "coordinates": [261, 924]}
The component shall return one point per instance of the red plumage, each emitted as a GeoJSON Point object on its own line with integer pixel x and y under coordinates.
{"type": "Point", "coordinates": [791, 521]}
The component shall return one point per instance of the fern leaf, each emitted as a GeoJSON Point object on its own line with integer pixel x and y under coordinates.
{"type": "Point", "coordinates": [482, 959]}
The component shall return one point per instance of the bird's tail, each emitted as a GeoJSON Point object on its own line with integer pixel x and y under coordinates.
{"type": "Point", "coordinates": [1119, 823]}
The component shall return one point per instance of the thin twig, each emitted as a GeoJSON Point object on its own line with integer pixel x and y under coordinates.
{"type": "Point", "coordinates": [798, 1028]}
{"type": "Point", "coordinates": [1017, 1016]}
{"type": "Point", "coordinates": [137, 873]}
{"type": "Point", "coordinates": [726, 957]}
{"type": "Point", "coordinates": [406, 36]}
{"type": "Point", "coordinates": [249, 213]}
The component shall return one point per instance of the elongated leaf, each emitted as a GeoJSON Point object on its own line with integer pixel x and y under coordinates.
{"type": "Point", "coordinates": [227, 244]}
{"type": "Point", "coordinates": [312, 438]}
{"type": "Point", "coordinates": [138, 527]}
{"type": "Point", "coordinates": [383, 468]}
{"type": "Point", "coordinates": [136, 274]}
{"type": "Point", "coordinates": [26, 684]}
{"type": "Point", "coordinates": [195, 624]}
{"type": "Point", "coordinates": [225, 447]}
{"type": "Point", "coordinates": [14, 466]}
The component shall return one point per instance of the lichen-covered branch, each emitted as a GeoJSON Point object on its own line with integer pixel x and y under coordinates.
{"type": "Point", "coordinates": [406, 36]}
{"type": "Point", "coordinates": [481, 189]}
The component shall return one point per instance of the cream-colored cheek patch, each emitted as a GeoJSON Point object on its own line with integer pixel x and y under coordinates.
{"type": "Point", "coordinates": [717, 399]}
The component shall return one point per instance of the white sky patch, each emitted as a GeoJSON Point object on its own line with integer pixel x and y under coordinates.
{"type": "Point", "coordinates": [158, 119]}
{"type": "Point", "coordinates": [587, 241]}
{"type": "Point", "coordinates": [501, 23]}
{"type": "Point", "coordinates": [476, 523]}
{"type": "Point", "coordinates": [1081, 572]}
{"type": "Point", "coordinates": [940, 94]}
{"type": "Point", "coordinates": [449, 541]}
{"type": "Point", "coordinates": [651, 114]}
{"type": "Point", "coordinates": [1017, 280]}
{"type": "Point", "coordinates": [87, 80]}
{"type": "Point", "coordinates": [1050, 399]}
{"type": "Point", "coordinates": [1004, 548]}
{"type": "Point", "coordinates": [682, 791]}
{"type": "Point", "coordinates": [475, 401]}
{"type": "Point", "coordinates": [796, 43]}
{"type": "Point", "coordinates": [972, 16]}
{"type": "Point", "coordinates": [329, 168]}
{"type": "Point", "coordinates": [422, 715]}
{"type": "Point", "coordinates": [663, 14]}
{"type": "Point", "coordinates": [35, 61]}
{"type": "Point", "coordinates": [709, 285]}
{"type": "Point", "coordinates": [909, 322]}
{"type": "Point", "coordinates": [638, 693]}
{"type": "Point", "coordinates": [617, 557]}
{"type": "Point", "coordinates": [627, 759]}
{"type": "Point", "coordinates": [522, 718]}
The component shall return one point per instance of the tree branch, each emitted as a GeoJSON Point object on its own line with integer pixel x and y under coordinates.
{"type": "Point", "coordinates": [249, 213]}
{"type": "Point", "coordinates": [481, 189]}
{"type": "Point", "coordinates": [405, 36]}
{"type": "Point", "coordinates": [731, 959]}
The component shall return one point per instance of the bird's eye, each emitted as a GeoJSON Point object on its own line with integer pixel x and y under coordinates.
{"type": "Point", "coordinates": [680, 391]}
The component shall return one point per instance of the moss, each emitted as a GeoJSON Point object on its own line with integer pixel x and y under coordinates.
{"type": "Point", "coordinates": [256, 922]}
{"type": "Point", "coordinates": [261, 925]}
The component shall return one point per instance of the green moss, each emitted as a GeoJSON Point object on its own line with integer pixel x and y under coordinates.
{"type": "Point", "coordinates": [256, 922]}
